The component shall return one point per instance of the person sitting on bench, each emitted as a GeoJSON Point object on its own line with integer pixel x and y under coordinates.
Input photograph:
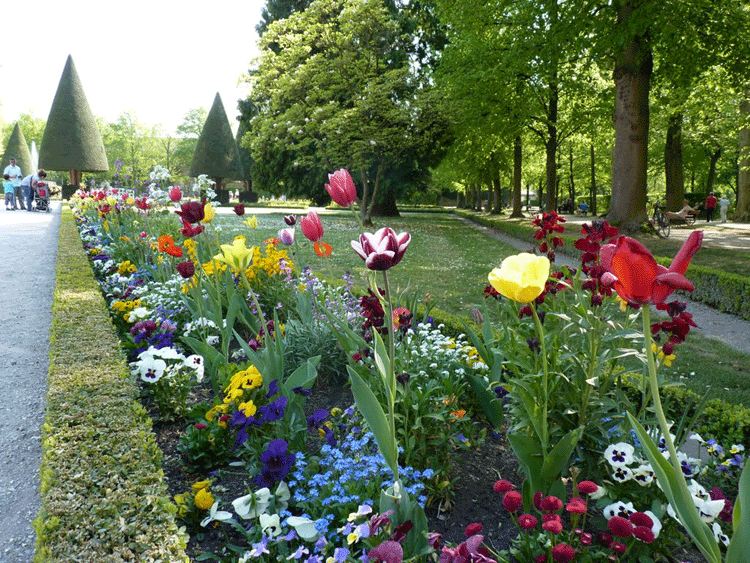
{"type": "Point", "coordinates": [683, 213]}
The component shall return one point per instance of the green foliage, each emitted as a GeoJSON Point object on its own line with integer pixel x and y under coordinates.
{"type": "Point", "coordinates": [103, 495]}
{"type": "Point", "coordinates": [206, 445]}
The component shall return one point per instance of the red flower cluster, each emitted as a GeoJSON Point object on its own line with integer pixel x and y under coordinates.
{"type": "Point", "coordinates": [595, 234]}
{"type": "Point", "coordinates": [549, 223]}
{"type": "Point", "coordinates": [677, 328]}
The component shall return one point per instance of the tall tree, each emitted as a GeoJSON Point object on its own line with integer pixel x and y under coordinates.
{"type": "Point", "coordinates": [334, 89]}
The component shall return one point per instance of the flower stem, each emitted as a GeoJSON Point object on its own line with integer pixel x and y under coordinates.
{"type": "Point", "coordinates": [545, 381]}
{"type": "Point", "coordinates": [391, 366]}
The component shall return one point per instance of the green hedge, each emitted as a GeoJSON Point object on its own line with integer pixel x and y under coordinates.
{"type": "Point", "coordinates": [103, 494]}
{"type": "Point", "coordinates": [725, 292]}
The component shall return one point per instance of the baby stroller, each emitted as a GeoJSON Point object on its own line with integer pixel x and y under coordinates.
{"type": "Point", "coordinates": [41, 197]}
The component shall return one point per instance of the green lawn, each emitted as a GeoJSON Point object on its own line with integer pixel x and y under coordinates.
{"type": "Point", "coordinates": [450, 262]}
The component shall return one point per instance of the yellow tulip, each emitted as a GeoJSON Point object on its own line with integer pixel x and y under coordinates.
{"type": "Point", "coordinates": [252, 222]}
{"type": "Point", "coordinates": [208, 213]}
{"type": "Point", "coordinates": [521, 277]}
{"type": "Point", "coordinates": [236, 255]}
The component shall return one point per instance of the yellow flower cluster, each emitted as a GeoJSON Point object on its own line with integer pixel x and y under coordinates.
{"type": "Point", "coordinates": [270, 262]}
{"type": "Point", "coordinates": [241, 381]}
{"type": "Point", "coordinates": [126, 267]}
{"type": "Point", "coordinates": [124, 307]}
{"type": "Point", "coordinates": [665, 359]}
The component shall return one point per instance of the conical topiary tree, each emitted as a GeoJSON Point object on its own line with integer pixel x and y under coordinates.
{"type": "Point", "coordinates": [71, 138]}
{"type": "Point", "coordinates": [18, 149]}
{"type": "Point", "coordinates": [216, 153]}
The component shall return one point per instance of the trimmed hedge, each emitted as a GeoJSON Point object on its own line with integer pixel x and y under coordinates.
{"type": "Point", "coordinates": [102, 489]}
{"type": "Point", "coordinates": [725, 292]}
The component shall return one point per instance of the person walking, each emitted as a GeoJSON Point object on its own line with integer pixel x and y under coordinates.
{"type": "Point", "coordinates": [16, 175]}
{"type": "Point", "coordinates": [710, 207]}
{"type": "Point", "coordinates": [723, 208]}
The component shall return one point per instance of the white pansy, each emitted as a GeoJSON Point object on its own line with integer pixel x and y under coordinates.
{"type": "Point", "coordinates": [216, 515]}
{"type": "Point", "coordinates": [252, 505]}
{"type": "Point", "coordinates": [656, 526]}
{"type": "Point", "coordinates": [619, 454]}
{"type": "Point", "coordinates": [196, 362]}
{"type": "Point", "coordinates": [619, 508]}
{"type": "Point", "coordinates": [304, 527]}
{"type": "Point", "coordinates": [719, 534]}
{"type": "Point", "coordinates": [270, 524]}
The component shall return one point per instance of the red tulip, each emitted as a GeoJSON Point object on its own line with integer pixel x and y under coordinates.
{"type": "Point", "coordinates": [239, 209]}
{"type": "Point", "coordinates": [311, 226]}
{"type": "Point", "coordinates": [383, 249]}
{"type": "Point", "coordinates": [635, 275]}
{"type": "Point", "coordinates": [341, 188]}
{"type": "Point", "coordinates": [191, 212]}
{"type": "Point", "coordinates": [175, 194]}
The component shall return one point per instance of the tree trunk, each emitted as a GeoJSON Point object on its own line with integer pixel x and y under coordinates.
{"type": "Point", "coordinates": [742, 212]}
{"type": "Point", "coordinates": [386, 205]}
{"type": "Point", "coordinates": [541, 194]}
{"type": "Point", "coordinates": [632, 76]}
{"type": "Point", "coordinates": [572, 189]}
{"type": "Point", "coordinates": [517, 162]}
{"type": "Point", "coordinates": [594, 211]}
{"type": "Point", "coordinates": [712, 171]}
{"type": "Point", "coordinates": [496, 203]}
{"type": "Point", "coordinates": [673, 172]}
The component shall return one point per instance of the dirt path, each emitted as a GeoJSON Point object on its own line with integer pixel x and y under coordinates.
{"type": "Point", "coordinates": [27, 281]}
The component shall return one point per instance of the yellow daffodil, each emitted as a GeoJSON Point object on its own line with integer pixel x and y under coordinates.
{"type": "Point", "coordinates": [521, 277]}
{"type": "Point", "coordinates": [236, 255]}
{"type": "Point", "coordinates": [208, 213]}
{"type": "Point", "coordinates": [252, 222]}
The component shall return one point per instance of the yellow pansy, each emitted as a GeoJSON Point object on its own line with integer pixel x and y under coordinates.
{"type": "Point", "coordinates": [236, 255]}
{"type": "Point", "coordinates": [521, 277]}
{"type": "Point", "coordinates": [198, 485]}
{"type": "Point", "coordinates": [203, 499]}
{"type": "Point", "coordinates": [248, 408]}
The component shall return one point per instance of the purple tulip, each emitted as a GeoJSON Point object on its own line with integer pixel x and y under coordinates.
{"type": "Point", "coordinates": [383, 249]}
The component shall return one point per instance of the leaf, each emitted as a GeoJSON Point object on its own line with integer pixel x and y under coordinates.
{"type": "Point", "coordinates": [373, 413]}
{"type": "Point", "coordinates": [303, 376]}
{"type": "Point", "coordinates": [382, 361]}
{"type": "Point", "coordinates": [491, 405]}
{"type": "Point", "coordinates": [675, 489]}
{"type": "Point", "coordinates": [529, 453]}
{"type": "Point", "coordinates": [739, 546]}
{"type": "Point", "coordinates": [557, 459]}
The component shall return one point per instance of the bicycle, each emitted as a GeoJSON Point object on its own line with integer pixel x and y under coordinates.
{"type": "Point", "coordinates": [660, 221]}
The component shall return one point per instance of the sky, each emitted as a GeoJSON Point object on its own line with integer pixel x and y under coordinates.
{"type": "Point", "coordinates": [157, 58]}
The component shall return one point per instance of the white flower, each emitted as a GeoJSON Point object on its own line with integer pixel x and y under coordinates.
{"type": "Point", "coordinates": [165, 353]}
{"type": "Point", "coordinates": [149, 368]}
{"type": "Point", "coordinates": [270, 524]}
{"type": "Point", "coordinates": [363, 510]}
{"type": "Point", "coordinates": [252, 505]}
{"type": "Point", "coordinates": [304, 527]}
{"type": "Point", "coordinates": [719, 534]}
{"type": "Point", "coordinates": [196, 362]}
{"type": "Point", "coordinates": [212, 340]}
{"type": "Point", "coordinates": [215, 514]}
{"type": "Point", "coordinates": [709, 509]}
{"type": "Point", "coordinates": [656, 526]}
{"type": "Point", "coordinates": [599, 493]}
{"type": "Point", "coordinates": [643, 474]}
{"type": "Point", "coordinates": [624, 509]}
{"type": "Point", "coordinates": [138, 314]}
{"type": "Point", "coordinates": [622, 473]}
{"type": "Point", "coordinates": [619, 454]}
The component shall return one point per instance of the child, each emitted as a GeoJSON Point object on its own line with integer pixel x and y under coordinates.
{"type": "Point", "coordinates": [10, 201]}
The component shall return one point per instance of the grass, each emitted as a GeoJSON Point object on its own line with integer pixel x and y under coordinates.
{"type": "Point", "coordinates": [450, 262]}
{"type": "Point", "coordinates": [445, 259]}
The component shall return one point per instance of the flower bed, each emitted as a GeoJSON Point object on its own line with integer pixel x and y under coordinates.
{"type": "Point", "coordinates": [229, 341]}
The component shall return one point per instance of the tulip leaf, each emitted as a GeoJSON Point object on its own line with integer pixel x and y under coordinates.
{"type": "Point", "coordinates": [374, 415]}
{"type": "Point", "coordinates": [529, 453]}
{"type": "Point", "coordinates": [488, 401]}
{"type": "Point", "coordinates": [678, 495]}
{"type": "Point", "coordinates": [556, 461]}
{"type": "Point", "coordinates": [739, 547]}
{"type": "Point", "coordinates": [303, 376]}
{"type": "Point", "coordinates": [382, 361]}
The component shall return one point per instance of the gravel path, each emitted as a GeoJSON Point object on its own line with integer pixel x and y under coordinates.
{"type": "Point", "coordinates": [27, 282]}
{"type": "Point", "coordinates": [729, 329]}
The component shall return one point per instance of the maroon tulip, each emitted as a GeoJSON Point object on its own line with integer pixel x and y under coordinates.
{"type": "Point", "coordinates": [637, 278]}
{"type": "Point", "coordinates": [290, 220]}
{"type": "Point", "coordinates": [311, 226]}
{"type": "Point", "coordinates": [239, 209]}
{"type": "Point", "coordinates": [383, 249]}
{"type": "Point", "coordinates": [191, 212]}
{"type": "Point", "coordinates": [341, 188]}
{"type": "Point", "coordinates": [186, 269]}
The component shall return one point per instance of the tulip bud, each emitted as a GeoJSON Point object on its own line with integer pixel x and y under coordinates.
{"type": "Point", "coordinates": [175, 194]}
{"type": "Point", "coordinates": [290, 220]}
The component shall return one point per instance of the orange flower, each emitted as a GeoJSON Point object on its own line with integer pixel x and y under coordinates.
{"type": "Point", "coordinates": [322, 249]}
{"type": "Point", "coordinates": [175, 251]}
{"type": "Point", "coordinates": [165, 241]}
{"type": "Point", "coordinates": [272, 240]}
{"type": "Point", "coordinates": [459, 414]}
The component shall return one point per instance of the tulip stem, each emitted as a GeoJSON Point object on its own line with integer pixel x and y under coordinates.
{"type": "Point", "coordinates": [545, 379]}
{"type": "Point", "coordinates": [391, 391]}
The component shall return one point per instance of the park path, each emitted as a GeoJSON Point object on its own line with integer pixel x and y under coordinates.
{"type": "Point", "coordinates": [28, 256]}
{"type": "Point", "coordinates": [729, 329]}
